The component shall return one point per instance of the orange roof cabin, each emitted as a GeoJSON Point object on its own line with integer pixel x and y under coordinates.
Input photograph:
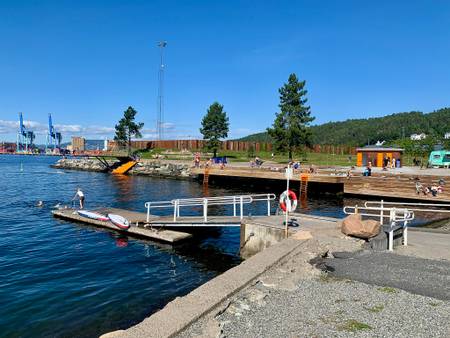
{"type": "Point", "coordinates": [378, 156]}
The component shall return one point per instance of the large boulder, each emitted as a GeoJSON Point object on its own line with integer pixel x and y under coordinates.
{"type": "Point", "coordinates": [353, 225]}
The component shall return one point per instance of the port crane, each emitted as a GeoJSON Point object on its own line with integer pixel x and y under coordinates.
{"type": "Point", "coordinates": [25, 138]}
{"type": "Point", "coordinates": [53, 138]}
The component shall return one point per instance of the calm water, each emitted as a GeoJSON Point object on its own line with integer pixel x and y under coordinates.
{"type": "Point", "coordinates": [64, 279]}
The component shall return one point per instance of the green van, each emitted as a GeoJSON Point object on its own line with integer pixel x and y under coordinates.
{"type": "Point", "coordinates": [439, 158]}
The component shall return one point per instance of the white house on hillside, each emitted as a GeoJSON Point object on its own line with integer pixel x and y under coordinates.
{"type": "Point", "coordinates": [418, 137]}
{"type": "Point", "coordinates": [447, 136]}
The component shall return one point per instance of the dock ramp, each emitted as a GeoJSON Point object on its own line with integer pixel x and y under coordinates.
{"type": "Point", "coordinates": [124, 168]}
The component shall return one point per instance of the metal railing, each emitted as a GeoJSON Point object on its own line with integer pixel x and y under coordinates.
{"type": "Point", "coordinates": [412, 206]}
{"type": "Point", "coordinates": [395, 216]}
{"type": "Point", "coordinates": [204, 202]}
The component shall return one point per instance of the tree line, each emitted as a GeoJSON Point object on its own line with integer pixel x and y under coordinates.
{"type": "Point", "coordinates": [290, 129]}
{"type": "Point", "coordinates": [395, 129]}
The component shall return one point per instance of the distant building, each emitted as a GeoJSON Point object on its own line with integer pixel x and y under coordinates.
{"type": "Point", "coordinates": [377, 155]}
{"type": "Point", "coordinates": [418, 137]}
{"type": "Point", "coordinates": [447, 136]}
{"type": "Point", "coordinates": [78, 143]}
{"type": "Point", "coordinates": [7, 147]}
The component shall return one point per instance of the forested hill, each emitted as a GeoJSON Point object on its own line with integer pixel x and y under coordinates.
{"type": "Point", "coordinates": [358, 131]}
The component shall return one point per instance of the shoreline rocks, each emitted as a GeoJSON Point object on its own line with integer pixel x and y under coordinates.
{"type": "Point", "coordinates": [147, 168]}
{"type": "Point", "coordinates": [161, 169]}
{"type": "Point", "coordinates": [84, 163]}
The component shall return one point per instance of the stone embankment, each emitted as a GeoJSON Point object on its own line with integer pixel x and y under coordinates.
{"type": "Point", "coordinates": [147, 168]}
{"type": "Point", "coordinates": [163, 169]}
{"type": "Point", "coordinates": [85, 164]}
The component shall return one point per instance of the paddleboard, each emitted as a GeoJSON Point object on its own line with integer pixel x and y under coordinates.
{"type": "Point", "coordinates": [93, 215]}
{"type": "Point", "coordinates": [119, 221]}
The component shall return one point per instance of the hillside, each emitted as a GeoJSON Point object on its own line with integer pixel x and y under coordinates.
{"type": "Point", "coordinates": [356, 132]}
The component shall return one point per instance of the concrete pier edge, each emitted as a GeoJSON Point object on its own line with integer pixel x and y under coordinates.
{"type": "Point", "coordinates": [183, 311]}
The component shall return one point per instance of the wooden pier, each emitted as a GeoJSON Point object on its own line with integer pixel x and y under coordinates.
{"type": "Point", "coordinates": [163, 228]}
{"type": "Point", "coordinates": [382, 185]}
{"type": "Point", "coordinates": [137, 219]}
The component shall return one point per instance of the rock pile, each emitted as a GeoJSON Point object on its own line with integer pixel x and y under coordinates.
{"type": "Point", "coordinates": [157, 168]}
{"type": "Point", "coordinates": [87, 164]}
{"type": "Point", "coordinates": [148, 168]}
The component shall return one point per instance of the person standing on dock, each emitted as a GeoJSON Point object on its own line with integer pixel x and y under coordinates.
{"type": "Point", "coordinates": [80, 195]}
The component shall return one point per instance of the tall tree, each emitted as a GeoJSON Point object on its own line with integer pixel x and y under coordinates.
{"type": "Point", "coordinates": [215, 125]}
{"type": "Point", "coordinates": [291, 126]}
{"type": "Point", "coordinates": [128, 128]}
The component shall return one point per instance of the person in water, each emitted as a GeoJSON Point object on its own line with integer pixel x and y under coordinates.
{"type": "Point", "coordinates": [79, 194]}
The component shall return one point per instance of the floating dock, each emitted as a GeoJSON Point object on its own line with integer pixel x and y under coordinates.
{"type": "Point", "coordinates": [139, 226]}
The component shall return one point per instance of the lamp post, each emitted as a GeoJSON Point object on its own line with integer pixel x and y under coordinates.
{"type": "Point", "coordinates": [160, 114]}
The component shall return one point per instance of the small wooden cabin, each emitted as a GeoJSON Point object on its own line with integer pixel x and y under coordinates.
{"type": "Point", "coordinates": [376, 155]}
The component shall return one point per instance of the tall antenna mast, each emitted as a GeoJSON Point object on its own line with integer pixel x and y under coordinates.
{"type": "Point", "coordinates": [160, 115]}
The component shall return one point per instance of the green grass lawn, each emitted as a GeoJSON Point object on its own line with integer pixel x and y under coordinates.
{"type": "Point", "coordinates": [244, 156]}
{"type": "Point", "coordinates": [319, 159]}
{"type": "Point", "coordinates": [305, 158]}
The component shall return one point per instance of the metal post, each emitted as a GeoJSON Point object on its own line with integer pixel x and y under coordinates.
{"type": "Point", "coordinates": [391, 231]}
{"type": "Point", "coordinates": [241, 205]}
{"type": "Point", "coordinates": [405, 234]}
{"type": "Point", "coordinates": [405, 228]}
{"type": "Point", "coordinates": [205, 209]}
{"type": "Point", "coordinates": [175, 211]}
{"type": "Point", "coordinates": [268, 204]}
{"type": "Point", "coordinates": [178, 208]}
{"type": "Point", "coordinates": [391, 239]}
{"type": "Point", "coordinates": [160, 115]}
{"type": "Point", "coordinates": [148, 212]}
{"type": "Point", "coordinates": [234, 206]}
{"type": "Point", "coordinates": [381, 213]}
{"type": "Point", "coordinates": [288, 202]}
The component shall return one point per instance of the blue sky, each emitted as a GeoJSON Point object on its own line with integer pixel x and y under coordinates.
{"type": "Point", "coordinates": [87, 61]}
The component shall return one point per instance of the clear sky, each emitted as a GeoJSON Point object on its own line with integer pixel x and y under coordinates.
{"type": "Point", "coordinates": [87, 61]}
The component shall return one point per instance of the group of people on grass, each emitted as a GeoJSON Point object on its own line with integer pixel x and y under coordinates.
{"type": "Point", "coordinates": [208, 163]}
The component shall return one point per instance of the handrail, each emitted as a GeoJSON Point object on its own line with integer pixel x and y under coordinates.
{"type": "Point", "coordinates": [411, 206]}
{"type": "Point", "coordinates": [408, 214]}
{"type": "Point", "coordinates": [395, 215]}
{"type": "Point", "coordinates": [204, 202]}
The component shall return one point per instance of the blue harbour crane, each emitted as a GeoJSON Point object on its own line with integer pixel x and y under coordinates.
{"type": "Point", "coordinates": [53, 138]}
{"type": "Point", "coordinates": [25, 138]}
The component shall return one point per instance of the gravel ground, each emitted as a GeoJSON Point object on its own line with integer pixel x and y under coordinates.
{"type": "Point", "coordinates": [416, 275]}
{"type": "Point", "coordinates": [296, 300]}
{"type": "Point", "coordinates": [327, 307]}
{"type": "Point", "coordinates": [335, 308]}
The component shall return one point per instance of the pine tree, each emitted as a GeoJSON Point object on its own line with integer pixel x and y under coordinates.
{"type": "Point", "coordinates": [127, 128]}
{"type": "Point", "coordinates": [291, 126]}
{"type": "Point", "coordinates": [215, 125]}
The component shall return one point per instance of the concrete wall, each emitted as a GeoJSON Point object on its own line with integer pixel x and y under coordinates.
{"type": "Point", "coordinates": [255, 238]}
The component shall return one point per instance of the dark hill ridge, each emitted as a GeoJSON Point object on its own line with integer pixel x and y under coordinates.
{"type": "Point", "coordinates": [356, 132]}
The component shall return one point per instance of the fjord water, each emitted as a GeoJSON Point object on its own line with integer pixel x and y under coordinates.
{"type": "Point", "coordinates": [64, 279]}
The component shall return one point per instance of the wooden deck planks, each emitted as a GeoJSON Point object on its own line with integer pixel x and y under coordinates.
{"type": "Point", "coordinates": [164, 235]}
{"type": "Point", "coordinates": [389, 184]}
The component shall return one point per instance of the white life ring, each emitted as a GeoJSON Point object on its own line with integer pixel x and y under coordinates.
{"type": "Point", "coordinates": [288, 201]}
